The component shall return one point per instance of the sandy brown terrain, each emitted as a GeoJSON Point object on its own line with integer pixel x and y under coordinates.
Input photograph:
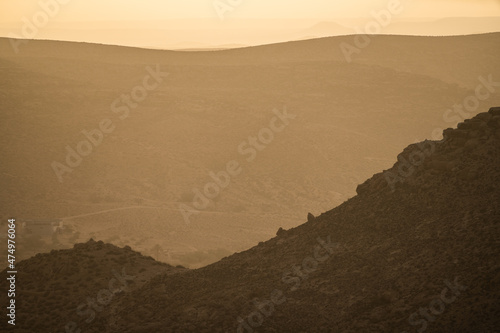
{"type": "Point", "coordinates": [351, 119]}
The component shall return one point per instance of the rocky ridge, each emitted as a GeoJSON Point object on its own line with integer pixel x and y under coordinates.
{"type": "Point", "coordinates": [415, 250]}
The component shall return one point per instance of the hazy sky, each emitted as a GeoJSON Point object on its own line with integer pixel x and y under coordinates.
{"type": "Point", "coordinates": [178, 24]}
{"type": "Point", "coordinates": [86, 10]}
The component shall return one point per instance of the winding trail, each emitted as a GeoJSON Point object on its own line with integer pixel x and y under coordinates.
{"type": "Point", "coordinates": [114, 210]}
{"type": "Point", "coordinates": [155, 207]}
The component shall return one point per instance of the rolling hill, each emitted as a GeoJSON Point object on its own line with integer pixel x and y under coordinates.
{"type": "Point", "coordinates": [133, 187]}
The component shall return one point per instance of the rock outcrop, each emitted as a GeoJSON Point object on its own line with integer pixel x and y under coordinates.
{"type": "Point", "coordinates": [454, 155]}
{"type": "Point", "coordinates": [310, 217]}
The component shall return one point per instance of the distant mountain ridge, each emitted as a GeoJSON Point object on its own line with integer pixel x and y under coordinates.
{"type": "Point", "coordinates": [452, 26]}
{"type": "Point", "coordinates": [191, 34]}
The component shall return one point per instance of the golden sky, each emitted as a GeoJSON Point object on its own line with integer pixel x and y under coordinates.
{"type": "Point", "coordinates": [178, 24]}
{"type": "Point", "coordinates": [104, 10]}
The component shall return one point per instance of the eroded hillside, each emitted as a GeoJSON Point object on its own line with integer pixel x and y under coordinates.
{"type": "Point", "coordinates": [416, 249]}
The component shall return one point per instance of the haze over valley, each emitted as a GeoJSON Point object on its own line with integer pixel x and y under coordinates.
{"type": "Point", "coordinates": [197, 158]}
{"type": "Point", "coordinates": [349, 121]}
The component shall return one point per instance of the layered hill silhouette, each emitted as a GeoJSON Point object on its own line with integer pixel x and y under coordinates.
{"type": "Point", "coordinates": [351, 119]}
{"type": "Point", "coordinates": [209, 34]}
{"type": "Point", "coordinates": [415, 249]}
{"type": "Point", "coordinates": [69, 287]}
{"type": "Point", "coordinates": [443, 27]}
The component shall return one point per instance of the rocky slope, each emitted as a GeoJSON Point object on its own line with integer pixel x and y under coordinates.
{"type": "Point", "coordinates": [72, 287]}
{"type": "Point", "coordinates": [419, 254]}
{"type": "Point", "coordinates": [416, 250]}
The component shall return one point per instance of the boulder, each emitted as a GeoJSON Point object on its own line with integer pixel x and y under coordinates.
{"type": "Point", "coordinates": [484, 116]}
{"type": "Point", "coordinates": [280, 232]}
{"type": "Point", "coordinates": [494, 111]}
{"type": "Point", "coordinates": [310, 217]}
{"type": "Point", "coordinates": [362, 188]}
{"type": "Point", "coordinates": [451, 133]}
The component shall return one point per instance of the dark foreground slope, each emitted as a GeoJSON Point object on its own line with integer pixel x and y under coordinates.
{"type": "Point", "coordinates": [421, 257]}
{"type": "Point", "coordinates": [416, 249]}
{"type": "Point", "coordinates": [72, 287]}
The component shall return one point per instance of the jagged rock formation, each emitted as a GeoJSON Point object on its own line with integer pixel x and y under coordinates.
{"type": "Point", "coordinates": [416, 249]}
{"type": "Point", "coordinates": [419, 163]}
{"type": "Point", "coordinates": [310, 217]}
